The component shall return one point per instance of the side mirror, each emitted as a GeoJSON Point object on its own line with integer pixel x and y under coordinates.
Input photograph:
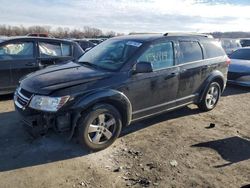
{"type": "Point", "coordinates": [143, 67]}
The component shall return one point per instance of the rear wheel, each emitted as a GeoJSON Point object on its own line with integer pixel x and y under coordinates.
{"type": "Point", "coordinates": [100, 127]}
{"type": "Point", "coordinates": [211, 97]}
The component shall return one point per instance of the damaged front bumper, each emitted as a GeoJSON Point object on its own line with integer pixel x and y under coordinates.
{"type": "Point", "coordinates": [38, 122]}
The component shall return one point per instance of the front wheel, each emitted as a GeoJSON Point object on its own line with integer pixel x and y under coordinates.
{"type": "Point", "coordinates": [100, 127]}
{"type": "Point", "coordinates": [211, 97]}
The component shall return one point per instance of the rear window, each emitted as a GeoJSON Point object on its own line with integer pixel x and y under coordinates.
{"type": "Point", "coordinates": [190, 51]}
{"type": "Point", "coordinates": [243, 54]}
{"type": "Point", "coordinates": [213, 49]}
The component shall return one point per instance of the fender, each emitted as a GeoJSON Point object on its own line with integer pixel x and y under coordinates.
{"type": "Point", "coordinates": [215, 75]}
{"type": "Point", "coordinates": [114, 97]}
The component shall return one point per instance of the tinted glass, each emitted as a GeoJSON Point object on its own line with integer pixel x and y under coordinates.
{"type": "Point", "coordinates": [110, 54]}
{"type": "Point", "coordinates": [66, 49]}
{"type": "Point", "coordinates": [50, 49]}
{"type": "Point", "coordinates": [22, 50]}
{"type": "Point", "coordinates": [213, 49]}
{"type": "Point", "coordinates": [160, 55]}
{"type": "Point", "coordinates": [243, 54]}
{"type": "Point", "coordinates": [190, 51]}
{"type": "Point", "coordinates": [245, 43]}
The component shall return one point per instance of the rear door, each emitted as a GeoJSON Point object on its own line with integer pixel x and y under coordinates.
{"type": "Point", "coordinates": [190, 62]}
{"type": "Point", "coordinates": [20, 55]}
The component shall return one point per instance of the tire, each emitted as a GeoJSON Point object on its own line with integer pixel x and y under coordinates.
{"type": "Point", "coordinates": [100, 127]}
{"type": "Point", "coordinates": [211, 97]}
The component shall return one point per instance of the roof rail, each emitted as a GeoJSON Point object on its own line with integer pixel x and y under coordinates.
{"type": "Point", "coordinates": [188, 34]}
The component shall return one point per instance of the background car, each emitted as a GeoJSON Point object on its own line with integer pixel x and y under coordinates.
{"type": "Point", "coordinates": [85, 44]}
{"type": "Point", "coordinates": [95, 41]}
{"type": "Point", "coordinates": [239, 69]}
{"type": "Point", "coordinates": [230, 45]}
{"type": "Point", "coordinates": [40, 35]}
{"type": "Point", "coordinates": [245, 42]}
{"type": "Point", "coordinates": [23, 55]}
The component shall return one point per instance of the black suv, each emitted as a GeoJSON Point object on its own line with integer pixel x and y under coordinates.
{"type": "Point", "coordinates": [122, 80]}
{"type": "Point", "coordinates": [20, 56]}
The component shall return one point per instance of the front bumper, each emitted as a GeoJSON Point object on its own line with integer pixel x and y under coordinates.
{"type": "Point", "coordinates": [38, 122]}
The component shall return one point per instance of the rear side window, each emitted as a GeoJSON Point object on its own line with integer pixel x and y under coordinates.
{"type": "Point", "coordinates": [160, 55]}
{"type": "Point", "coordinates": [48, 49]}
{"type": "Point", "coordinates": [20, 50]}
{"type": "Point", "coordinates": [213, 49]}
{"type": "Point", "coordinates": [190, 51]}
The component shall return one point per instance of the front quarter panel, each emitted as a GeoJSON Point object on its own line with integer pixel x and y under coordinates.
{"type": "Point", "coordinates": [116, 98]}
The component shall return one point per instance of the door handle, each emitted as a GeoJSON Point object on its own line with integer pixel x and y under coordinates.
{"type": "Point", "coordinates": [29, 64]}
{"type": "Point", "coordinates": [171, 75]}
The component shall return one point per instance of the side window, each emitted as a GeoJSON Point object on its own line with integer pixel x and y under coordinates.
{"type": "Point", "coordinates": [190, 51]}
{"type": "Point", "coordinates": [66, 49]}
{"type": "Point", "coordinates": [213, 49]}
{"type": "Point", "coordinates": [160, 55]}
{"type": "Point", "coordinates": [48, 49]}
{"type": "Point", "coordinates": [20, 50]}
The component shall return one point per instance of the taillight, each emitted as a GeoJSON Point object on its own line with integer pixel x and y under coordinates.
{"type": "Point", "coordinates": [228, 61]}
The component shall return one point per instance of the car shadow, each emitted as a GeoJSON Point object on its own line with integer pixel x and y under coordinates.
{"type": "Point", "coordinates": [234, 149]}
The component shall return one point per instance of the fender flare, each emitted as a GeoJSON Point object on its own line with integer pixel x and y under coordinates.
{"type": "Point", "coordinates": [110, 96]}
{"type": "Point", "coordinates": [215, 75]}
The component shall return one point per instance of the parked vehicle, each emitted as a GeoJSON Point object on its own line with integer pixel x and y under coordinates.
{"type": "Point", "coordinates": [22, 55]}
{"type": "Point", "coordinates": [230, 45]}
{"type": "Point", "coordinates": [95, 41]}
{"type": "Point", "coordinates": [85, 44]}
{"type": "Point", "coordinates": [245, 42]}
{"type": "Point", "coordinates": [122, 80]}
{"type": "Point", "coordinates": [40, 35]}
{"type": "Point", "coordinates": [239, 69]}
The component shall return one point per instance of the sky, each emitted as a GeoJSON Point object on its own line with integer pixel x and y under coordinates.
{"type": "Point", "coordinates": [130, 15]}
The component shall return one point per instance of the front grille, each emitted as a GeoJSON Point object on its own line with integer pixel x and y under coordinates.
{"type": "Point", "coordinates": [22, 98]}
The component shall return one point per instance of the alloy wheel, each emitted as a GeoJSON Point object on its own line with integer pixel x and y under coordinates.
{"type": "Point", "coordinates": [102, 128]}
{"type": "Point", "coordinates": [212, 96]}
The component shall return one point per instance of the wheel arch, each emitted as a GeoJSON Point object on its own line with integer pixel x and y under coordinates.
{"type": "Point", "coordinates": [215, 76]}
{"type": "Point", "coordinates": [112, 97]}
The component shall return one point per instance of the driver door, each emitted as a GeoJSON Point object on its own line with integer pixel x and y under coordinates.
{"type": "Point", "coordinates": [154, 92]}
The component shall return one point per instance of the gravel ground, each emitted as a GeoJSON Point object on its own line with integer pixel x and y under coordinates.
{"type": "Point", "coordinates": [183, 148]}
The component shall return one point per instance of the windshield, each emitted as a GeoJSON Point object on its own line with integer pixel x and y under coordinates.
{"type": "Point", "coordinates": [110, 54]}
{"type": "Point", "coordinates": [230, 43]}
{"type": "Point", "coordinates": [243, 54]}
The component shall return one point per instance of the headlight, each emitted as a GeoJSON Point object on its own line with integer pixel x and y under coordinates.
{"type": "Point", "coordinates": [50, 104]}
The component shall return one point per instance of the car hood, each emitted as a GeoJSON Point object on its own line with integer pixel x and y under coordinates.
{"type": "Point", "coordinates": [238, 65]}
{"type": "Point", "coordinates": [57, 77]}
